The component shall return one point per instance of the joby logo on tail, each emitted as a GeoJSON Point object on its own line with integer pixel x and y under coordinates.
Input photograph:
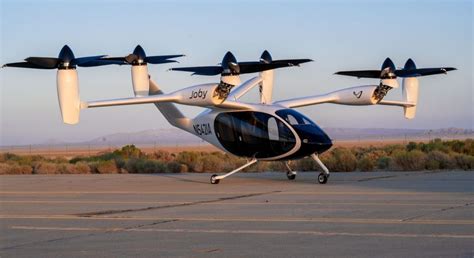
{"type": "Point", "coordinates": [357, 94]}
{"type": "Point", "coordinates": [198, 94]}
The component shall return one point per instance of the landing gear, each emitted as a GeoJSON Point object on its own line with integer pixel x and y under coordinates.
{"type": "Point", "coordinates": [215, 179]}
{"type": "Point", "coordinates": [290, 174]}
{"type": "Point", "coordinates": [323, 176]}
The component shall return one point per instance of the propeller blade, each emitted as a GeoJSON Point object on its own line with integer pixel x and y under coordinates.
{"type": "Point", "coordinates": [26, 65]}
{"type": "Point", "coordinates": [45, 62]}
{"type": "Point", "coordinates": [423, 71]}
{"type": "Point", "coordinates": [200, 70]}
{"type": "Point", "coordinates": [254, 67]}
{"type": "Point", "coordinates": [292, 62]}
{"type": "Point", "coordinates": [101, 62]}
{"type": "Point", "coordinates": [362, 73]}
{"type": "Point", "coordinates": [84, 60]}
{"type": "Point", "coordinates": [161, 59]}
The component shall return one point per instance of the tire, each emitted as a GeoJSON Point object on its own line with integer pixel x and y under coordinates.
{"type": "Point", "coordinates": [322, 178]}
{"type": "Point", "coordinates": [290, 176]}
{"type": "Point", "coordinates": [214, 181]}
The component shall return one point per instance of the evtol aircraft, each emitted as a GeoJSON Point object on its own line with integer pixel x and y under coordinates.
{"type": "Point", "coordinates": [264, 131]}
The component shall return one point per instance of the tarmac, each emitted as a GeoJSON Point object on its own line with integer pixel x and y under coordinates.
{"type": "Point", "coordinates": [359, 214]}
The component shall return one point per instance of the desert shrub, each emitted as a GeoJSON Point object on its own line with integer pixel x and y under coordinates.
{"type": "Point", "coordinates": [409, 160]}
{"type": "Point", "coordinates": [106, 167]}
{"type": "Point", "coordinates": [384, 162]}
{"type": "Point", "coordinates": [391, 148]}
{"type": "Point", "coordinates": [329, 160]}
{"type": "Point", "coordinates": [46, 168]}
{"type": "Point", "coordinates": [120, 163]}
{"type": "Point", "coordinates": [306, 164]}
{"type": "Point", "coordinates": [277, 166]}
{"type": "Point", "coordinates": [366, 164]}
{"type": "Point", "coordinates": [463, 161]}
{"type": "Point", "coordinates": [441, 159]}
{"type": "Point", "coordinates": [469, 147]}
{"type": "Point", "coordinates": [144, 166]}
{"type": "Point", "coordinates": [175, 167]}
{"type": "Point", "coordinates": [190, 159]}
{"type": "Point", "coordinates": [21, 160]}
{"type": "Point", "coordinates": [82, 168]}
{"type": "Point", "coordinates": [163, 156]}
{"type": "Point", "coordinates": [129, 152]}
{"type": "Point", "coordinates": [14, 169]}
{"type": "Point", "coordinates": [344, 160]}
{"type": "Point", "coordinates": [434, 145]}
{"type": "Point", "coordinates": [412, 146]}
{"type": "Point", "coordinates": [260, 166]}
{"type": "Point", "coordinates": [4, 168]}
{"type": "Point", "coordinates": [211, 163]}
{"type": "Point", "coordinates": [78, 168]}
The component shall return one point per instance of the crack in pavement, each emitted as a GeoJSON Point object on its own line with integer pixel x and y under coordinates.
{"type": "Point", "coordinates": [109, 231]}
{"type": "Point", "coordinates": [109, 212]}
{"type": "Point", "coordinates": [438, 211]}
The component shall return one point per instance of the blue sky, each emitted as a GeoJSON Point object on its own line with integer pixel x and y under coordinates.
{"type": "Point", "coordinates": [338, 35]}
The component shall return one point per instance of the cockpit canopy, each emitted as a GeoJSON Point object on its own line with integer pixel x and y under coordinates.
{"type": "Point", "coordinates": [262, 135]}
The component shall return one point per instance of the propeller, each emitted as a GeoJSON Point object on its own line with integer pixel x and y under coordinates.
{"type": "Point", "coordinates": [230, 66]}
{"type": "Point", "coordinates": [138, 57]}
{"type": "Point", "coordinates": [65, 60]}
{"type": "Point", "coordinates": [388, 71]}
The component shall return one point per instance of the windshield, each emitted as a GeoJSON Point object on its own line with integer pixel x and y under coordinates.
{"type": "Point", "coordinates": [293, 117]}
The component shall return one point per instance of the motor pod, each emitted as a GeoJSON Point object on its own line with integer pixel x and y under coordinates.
{"type": "Point", "coordinates": [203, 95]}
{"type": "Point", "coordinates": [68, 95]}
{"type": "Point", "coordinates": [266, 87]}
{"type": "Point", "coordinates": [140, 80]}
{"type": "Point", "coordinates": [410, 94]}
{"type": "Point", "coordinates": [361, 95]}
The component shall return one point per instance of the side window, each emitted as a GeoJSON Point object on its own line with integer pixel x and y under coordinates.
{"type": "Point", "coordinates": [272, 129]}
{"type": "Point", "coordinates": [224, 128]}
{"type": "Point", "coordinates": [292, 120]}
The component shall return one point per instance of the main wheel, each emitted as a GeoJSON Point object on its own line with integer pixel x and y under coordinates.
{"type": "Point", "coordinates": [214, 180]}
{"type": "Point", "coordinates": [322, 178]}
{"type": "Point", "coordinates": [290, 176]}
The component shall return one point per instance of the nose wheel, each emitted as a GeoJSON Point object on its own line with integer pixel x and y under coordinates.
{"type": "Point", "coordinates": [290, 175]}
{"type": "Point", "coordinates": [323, 178]}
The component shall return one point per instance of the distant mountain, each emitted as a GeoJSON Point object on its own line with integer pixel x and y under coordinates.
{"type": "Point", "coordinates": [384, 133]}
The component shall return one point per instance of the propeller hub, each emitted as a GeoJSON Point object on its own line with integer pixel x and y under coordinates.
{"type": "Point", "coordinates": [139, 56]}
{"type": "Point", "coordinates": [66, 56]}
{"type": "Point", "coordinates": [230, 65]}
{"type": "Point", "coordinates": [266, 58]}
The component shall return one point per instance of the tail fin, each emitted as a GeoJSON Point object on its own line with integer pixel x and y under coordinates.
{"type": "Point", "coordinates": [410, 94]}
{"type": "Point", "coordinates": [170, 111]}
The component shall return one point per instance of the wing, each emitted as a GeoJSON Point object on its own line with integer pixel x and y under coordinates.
{"type": "Point", "coordinates": [307, 101]}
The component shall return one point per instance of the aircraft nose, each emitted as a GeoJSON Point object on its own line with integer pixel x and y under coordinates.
{"type": "Point", "coordinates": [314, 139]}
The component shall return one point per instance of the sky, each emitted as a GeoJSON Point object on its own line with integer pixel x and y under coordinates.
{"type": "Point", "coordinates": [338, 35]}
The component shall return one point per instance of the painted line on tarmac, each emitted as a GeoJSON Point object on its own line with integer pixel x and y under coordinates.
{"type": "Point", "coordinates": [219, 193]}
{"type": "Point", "coordinates": [228, 203]}
{"type": "Point", "coordinates": [259, 232]}
{"type": "Point", "coordinates": [260, 220]}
